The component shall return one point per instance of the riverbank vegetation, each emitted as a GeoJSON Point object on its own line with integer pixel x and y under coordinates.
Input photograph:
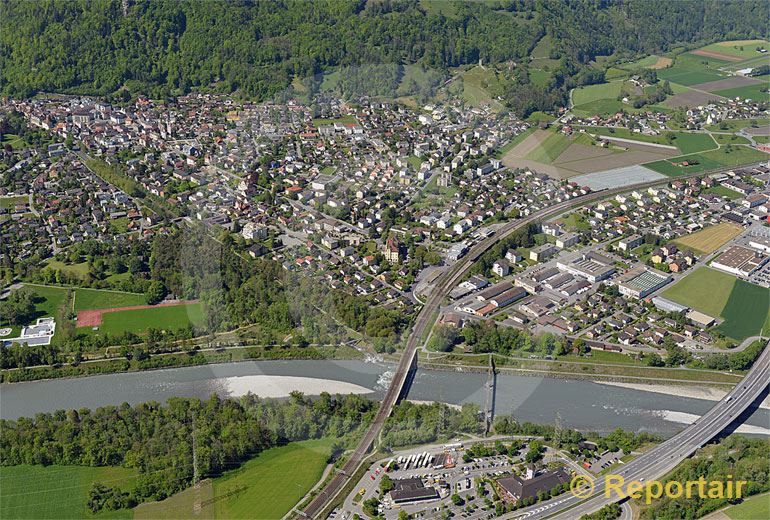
{"type": "Point", "coordinates": [732, 459]}
{"type": "Point", "coordinates": [161, 442]}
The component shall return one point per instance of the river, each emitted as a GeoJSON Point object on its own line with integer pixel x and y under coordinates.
{"type": "Point", "coordinates": [583, 405]}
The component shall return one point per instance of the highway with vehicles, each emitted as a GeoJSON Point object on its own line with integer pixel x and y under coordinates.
{"type": "Point", "coordinates": [427, 317]}
{"type": "Point", "coordinates": [660, 460]}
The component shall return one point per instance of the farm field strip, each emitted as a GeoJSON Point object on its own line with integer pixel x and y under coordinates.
{"type": "Point", "coordinates": [710, 239]}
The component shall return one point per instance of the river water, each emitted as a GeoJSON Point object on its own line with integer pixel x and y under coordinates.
{"type": "Point", "coordinates": [583, 405]}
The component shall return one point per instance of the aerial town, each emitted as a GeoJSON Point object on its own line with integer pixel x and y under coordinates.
{"type": "Point", "coordinates": [388, 260]}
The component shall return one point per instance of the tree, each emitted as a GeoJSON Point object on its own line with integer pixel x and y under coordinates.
{"type": "Point", "coordinates": [386, 484]}
{"type": "Point", "coordinates": [155, 292]}
{"type": "Point", "coordinates": [19, 307]}
{"type": "Point", "coordinates": [457, 500]}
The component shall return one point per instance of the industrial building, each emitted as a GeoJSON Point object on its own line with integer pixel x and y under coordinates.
{"type": "Point", "coordinates": [640, 282]}
{"type": "Point", "coordinates": [740, 261]}
{"type": "Point", "coordinates": [591, 266]}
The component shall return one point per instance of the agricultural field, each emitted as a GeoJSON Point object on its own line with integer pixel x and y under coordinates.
{"type": "Point", "coordinates": [267, 486]}
{"type": "Point", "coordinates": [561, 156]}
{"type": "Point", "coordinates": [590, 93]}
{"type": "Point", "coordinates": [477, 82]}
{"type": "Point", "coordinates": [707, 160]}
{"type": "Point", "coordinates": [756, 92]}
{"type": "Point", "coordinates": [710, 239]}
{"type": "Point", "coordinates": [740, 49]}
{"type": "Point", "coordinates": [515, 141]}
{"type": "Point", "coordinates": [550, 148]}
{"type": "Point", "coordinates": [686, 142]}
{"type": "Point", "coordinates": [52, 492]}
{"type": "Point", "coordinates": [745, 307]}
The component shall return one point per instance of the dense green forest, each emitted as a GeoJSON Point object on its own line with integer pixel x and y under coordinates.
{"type": "Point", "coordinates": [256, 48]}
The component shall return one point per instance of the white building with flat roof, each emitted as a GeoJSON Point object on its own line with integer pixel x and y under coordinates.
{"type": "Point", "coordinates": [40, 333]}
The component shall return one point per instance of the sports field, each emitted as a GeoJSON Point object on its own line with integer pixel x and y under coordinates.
{"type": "Point", "coordinates": [745, 307]}
{"type": "Point", "coordinates": [43, 492]}
{"type": "Point", "coordinates": [709, 239]}
{"type": "Point", "coordinates": [87, 299]}
{"type": "Point", "coordinates": [267, 486]}
{"type": "Point", "coordinates": [139, 321]}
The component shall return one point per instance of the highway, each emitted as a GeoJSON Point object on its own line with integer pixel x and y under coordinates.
{"type": "Point", "coordinates": [427, 316]}
{"type": "Point", "coordinates": [660, 460]}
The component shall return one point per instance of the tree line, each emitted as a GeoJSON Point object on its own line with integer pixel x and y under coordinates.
{"type": "Point", "coordinates": [158, 440]}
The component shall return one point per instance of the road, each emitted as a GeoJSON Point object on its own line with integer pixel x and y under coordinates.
{"type": "Point", "coordinates": [664, 457]}
{"type": "Point", "coordinates": [428, 315]}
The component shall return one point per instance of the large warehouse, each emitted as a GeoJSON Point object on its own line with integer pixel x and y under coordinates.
{"type": "Point", "coordinates": [640, 282]}
{"type": "Point", "coordinates": [740, 261]}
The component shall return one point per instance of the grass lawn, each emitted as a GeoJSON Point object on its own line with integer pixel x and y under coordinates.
{"type": "Point", "coordinates": [753, 508]}
{"type": "Point", "coordinates": [724, 139]}
{"type": "Point", "coordinates": [41, 492]}
{"type": "Point", "coordinates": [15, 141]}
{"type": "Point", "coordinates": [731, 125]}
{"type": "Point", "coordinates": [745, 307]}
{"type": "Point", "coordinates": [48, 298]}
{"type": "Point", "coordinates": [267, 486]}
{"type": "Point", "coordinates": [724, 192]}
{"type": "Point", "coordinates": [344, 120]}
{"type": "Point", "coordinates": [705, 289]}
{"type": "Point", "coordinates": [87, 299]}
{"type": "Point", "coordinates": [10, 202]}
{"type": "Point", "coordinates": [709, 239]}
{"type": "Point", "coordinates": [550, 149]}
{"type": "Point", "coordinates": [590, 93]}
{"type": "Point", "coordinates": [80, 269]}
{"type": "Point", "coordinates": [162, 318]}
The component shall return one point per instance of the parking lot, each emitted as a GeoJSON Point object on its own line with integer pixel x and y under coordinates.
{"type": "Point", "coordinates": [463, 480]}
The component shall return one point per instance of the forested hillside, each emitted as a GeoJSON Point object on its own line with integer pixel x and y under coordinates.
{"type": "Point", "coordinates": [165, 47]}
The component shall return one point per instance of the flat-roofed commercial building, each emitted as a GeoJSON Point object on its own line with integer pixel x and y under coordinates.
{"type": "Point", "coordinates": [591, 266]}
{"type": "Point", "coordinates": [740, 261]}
{"type": "Point", "coordinates": [640, 282]}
